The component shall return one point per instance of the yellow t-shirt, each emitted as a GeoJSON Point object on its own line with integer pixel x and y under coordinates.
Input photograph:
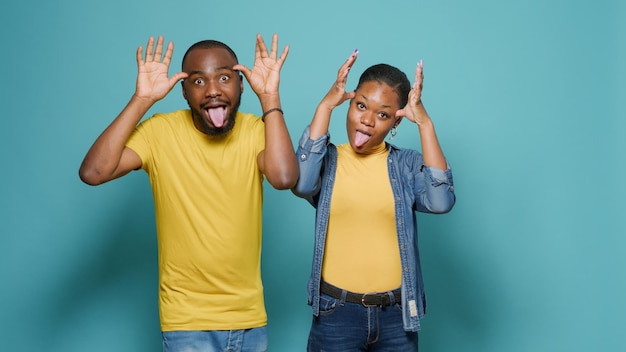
{"type": "Point", "coordinates": [208, 196]}
{"type": "Point", "coordinates": [361, 252]}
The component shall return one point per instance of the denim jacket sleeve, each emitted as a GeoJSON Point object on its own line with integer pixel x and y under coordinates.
{"type": "Point", "coordinates": [310, 155]}
{"type": "Point", "coordinates": [433, 188]}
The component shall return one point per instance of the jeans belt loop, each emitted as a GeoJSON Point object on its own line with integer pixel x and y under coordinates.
{"type": "Point", "coordinates": [344, 293]}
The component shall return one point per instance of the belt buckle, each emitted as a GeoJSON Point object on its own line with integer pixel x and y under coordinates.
{"type": "Point", "coordinates": [365, 304]}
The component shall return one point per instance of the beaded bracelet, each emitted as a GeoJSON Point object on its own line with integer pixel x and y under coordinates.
{"type": "Point", "coordinates": [271, 111]}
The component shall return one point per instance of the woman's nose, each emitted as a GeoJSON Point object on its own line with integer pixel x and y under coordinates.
{"type": "Point", "coordinates": [368, 119]}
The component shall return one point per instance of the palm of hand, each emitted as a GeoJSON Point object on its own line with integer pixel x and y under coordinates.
{"type": "Point", "coordinates": [152, 80]}
{"type": "Point", "coordinates": [264, 76]}
{"type": "Point", "coordinates": [337, 95]}
{"type": "Point", "coordinates": [414, 100]}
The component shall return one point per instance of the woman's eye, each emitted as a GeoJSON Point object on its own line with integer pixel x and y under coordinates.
{"type": "Point", "coordinates": [383, 115]}
{"type": "Point", "coordinates": [361, 106]}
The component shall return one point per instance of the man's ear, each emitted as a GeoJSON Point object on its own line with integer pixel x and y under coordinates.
{"type": "Point", "coordinates": [182, 84]}
{"type": "Point", "coordinates": [241, 82]}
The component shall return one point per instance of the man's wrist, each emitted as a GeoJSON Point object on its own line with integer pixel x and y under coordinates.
{"type": "Point", "coordinates": [270, 111]}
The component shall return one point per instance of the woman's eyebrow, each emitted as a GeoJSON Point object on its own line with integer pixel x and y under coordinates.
{"type": "Point", "coordinates": [365, 98]}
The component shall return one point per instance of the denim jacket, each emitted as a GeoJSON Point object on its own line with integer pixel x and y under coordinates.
{"type": "Point", "coordinates": [415, 187]}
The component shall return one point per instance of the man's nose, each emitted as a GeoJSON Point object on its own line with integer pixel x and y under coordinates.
{"type": "Point", "coordinates": [213, 89]}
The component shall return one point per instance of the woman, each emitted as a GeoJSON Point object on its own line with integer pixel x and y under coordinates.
{"type": "Point", "coordinates": [366, 287]}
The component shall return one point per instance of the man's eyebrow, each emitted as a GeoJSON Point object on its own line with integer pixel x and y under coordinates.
{"type": "Point", "coordinates": [196, 72]}
{"type": "Point", "coordinates": [229, 68]}
{"type": "Point", "coordinates": [217, 69]}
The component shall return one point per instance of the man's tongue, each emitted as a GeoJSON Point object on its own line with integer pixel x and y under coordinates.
{"type": "Point", "coordinates": [217, 116]}
{"type": "Point", "coordinates": [360, 138]}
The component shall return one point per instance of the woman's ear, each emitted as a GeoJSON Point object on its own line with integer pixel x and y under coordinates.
{"type": "Point", "coordinates": [398, 121]}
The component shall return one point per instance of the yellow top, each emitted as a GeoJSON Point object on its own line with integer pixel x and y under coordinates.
{"type": "Point", "coordinates": [361, 252]}
{"type": "Point", "coordinates": [207, 197]}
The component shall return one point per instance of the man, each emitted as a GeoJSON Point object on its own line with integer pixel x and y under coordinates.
{"type": "Point", "coordinates": [206, 166]}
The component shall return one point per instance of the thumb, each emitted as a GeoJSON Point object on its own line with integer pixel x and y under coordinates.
{"type": "Point", "coordinates": [243, 69]}
{"type": "Point", "coordinates": [177, 77]}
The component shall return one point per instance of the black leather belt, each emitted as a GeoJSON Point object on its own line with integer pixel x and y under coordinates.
{"type": "Point", "coordinates": [371, 299]}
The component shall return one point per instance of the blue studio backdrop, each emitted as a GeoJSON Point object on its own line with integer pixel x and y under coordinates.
{"type": "Point", "coordinates": [527, 98]}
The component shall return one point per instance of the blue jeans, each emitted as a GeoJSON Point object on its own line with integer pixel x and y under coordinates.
{"type": "Point", "coordinates": [249, 340]}
{"type": "Point", "coordinates": [350, 327]}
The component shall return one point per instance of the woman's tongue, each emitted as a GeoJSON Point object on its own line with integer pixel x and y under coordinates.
{"type": "Point", "coordinates": [361, 138]}
{"type": "Point", "coordinates": [217, 116]}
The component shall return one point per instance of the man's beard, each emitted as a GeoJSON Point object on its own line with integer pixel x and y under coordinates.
{"type": "Point", "coordinates": [212, 130]}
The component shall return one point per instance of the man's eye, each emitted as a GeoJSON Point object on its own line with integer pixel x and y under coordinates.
{"type": "Point", "coordinates": [198, 81]}
{"type": "Point", "coordinates": [224, 78]}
